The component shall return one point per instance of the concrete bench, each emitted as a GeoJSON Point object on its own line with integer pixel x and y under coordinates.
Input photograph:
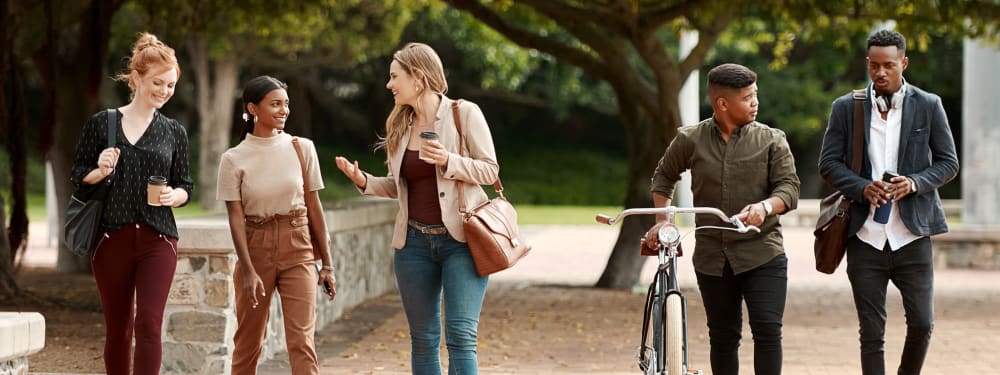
{"type": "Point", "coordinates": [21, 334]}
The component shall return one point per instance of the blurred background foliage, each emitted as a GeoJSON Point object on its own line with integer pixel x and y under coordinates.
{"type": "Point", "coordinates": [557, 131]}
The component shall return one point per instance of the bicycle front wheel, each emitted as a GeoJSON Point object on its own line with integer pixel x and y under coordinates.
{"type": "Point", "coordinates": [675, 334]}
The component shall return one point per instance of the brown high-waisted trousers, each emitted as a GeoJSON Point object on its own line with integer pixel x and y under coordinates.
{"type": "Point", "coordinates": [281, 252]}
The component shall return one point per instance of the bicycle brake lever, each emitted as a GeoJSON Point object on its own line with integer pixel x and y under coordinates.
{"type": "Point", "coordinates": [742, 228]}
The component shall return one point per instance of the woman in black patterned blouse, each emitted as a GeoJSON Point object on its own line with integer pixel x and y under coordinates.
{"type": "Point", "coordinates": [136, 254]}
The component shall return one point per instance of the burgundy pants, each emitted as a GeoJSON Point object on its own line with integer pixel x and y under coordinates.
{"type": "Point", "coordinates": [133, 267]}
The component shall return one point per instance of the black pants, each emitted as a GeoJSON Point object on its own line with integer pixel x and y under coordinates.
{"type": "Point", "coordinates": [911, 269]}
{"type": "Point", "coordinates": [764, 290]}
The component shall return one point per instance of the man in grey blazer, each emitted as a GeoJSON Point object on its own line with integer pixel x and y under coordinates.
{"type": "Point", "coordinates": [907, 132]}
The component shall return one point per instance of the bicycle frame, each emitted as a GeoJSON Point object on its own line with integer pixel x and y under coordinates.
{"type": "Point", "coordinates": [664, 300]}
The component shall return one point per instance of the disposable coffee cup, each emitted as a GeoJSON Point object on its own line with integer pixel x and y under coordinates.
{"type": "Point", "coordinates": [153, 188]}
{"type": "Point", "coordinates": [424, 137]}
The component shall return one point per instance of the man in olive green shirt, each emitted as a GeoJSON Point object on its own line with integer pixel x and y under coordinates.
{"type": "Point", "coordinates": [742, 167]}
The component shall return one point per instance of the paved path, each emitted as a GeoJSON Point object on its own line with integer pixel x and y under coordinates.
{"type": "Point", "coordinates": [820, 333]}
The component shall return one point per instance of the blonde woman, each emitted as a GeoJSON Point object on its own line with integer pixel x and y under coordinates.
{"type": "Point", "coordinates": [432, 259]}
{"type": "Point", "coordinates": [136, 254]}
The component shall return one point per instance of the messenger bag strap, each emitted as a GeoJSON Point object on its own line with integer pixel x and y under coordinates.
{"type": "Point", "coordinates": [858, 139]}
{"type": "Point", "coordinates": [498, 186]}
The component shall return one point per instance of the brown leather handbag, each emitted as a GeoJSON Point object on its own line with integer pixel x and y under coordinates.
{"type": "Point", "coordinates": [835, 209]}
{"type": "Point", "coordinates": [491, 230]}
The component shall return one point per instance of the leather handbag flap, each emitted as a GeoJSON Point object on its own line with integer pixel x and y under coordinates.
{"type": "Point", "coordinates": [495, 214]}
{"type": "Point", "coordinates": [831, 207]}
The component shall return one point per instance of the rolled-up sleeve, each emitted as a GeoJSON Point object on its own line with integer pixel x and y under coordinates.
{"type": "Point", "coordinates": [180, 169]}
{"type": "Point", "coordinates": [673, 162]}
{"type": "Point", "coordinates": [782, 176]}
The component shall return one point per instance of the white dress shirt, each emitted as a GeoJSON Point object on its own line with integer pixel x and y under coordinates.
{"type": "Point", "coordinates": [883, 151]}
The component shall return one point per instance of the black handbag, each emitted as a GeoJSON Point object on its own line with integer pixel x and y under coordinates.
{"type": "Point", "coordinates": [86, 206]}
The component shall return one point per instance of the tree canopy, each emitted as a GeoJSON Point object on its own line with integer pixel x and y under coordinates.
{"type": "Point", "coordinates": [631, 46]}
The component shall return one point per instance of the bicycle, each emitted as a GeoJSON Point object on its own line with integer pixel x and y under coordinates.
{"type": "Point", "coordinates": [666, 305]}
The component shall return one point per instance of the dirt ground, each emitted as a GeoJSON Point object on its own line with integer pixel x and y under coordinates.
{"type": "Point", "coordinates": [550, 329]}
{"type": "Point", "coordinates": [538, 319]}
{"type": "Point", "coordinates": [575, 323]}
{"type": "Point", "coordinates": [74, 325]}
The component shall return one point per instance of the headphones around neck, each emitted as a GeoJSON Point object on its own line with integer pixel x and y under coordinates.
{"type": "Point", "coordinates": [883, 107]}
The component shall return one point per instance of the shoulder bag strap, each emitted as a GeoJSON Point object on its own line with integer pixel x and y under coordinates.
{"type": "Point", "coordinates": [112, 136]}
{"type": "Point", "coordinates": [302, 164]}
{"type": "Point", "coordinates": [497, 185]}
{"type": "Point", "coordinates": [858, 140]}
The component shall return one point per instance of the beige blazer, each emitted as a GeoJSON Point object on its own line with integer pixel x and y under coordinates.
{"type": "Point", "coordinates": [478, 167]}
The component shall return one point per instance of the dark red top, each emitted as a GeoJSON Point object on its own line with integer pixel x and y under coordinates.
{"type": "Point", "coordinates": [421, 186]}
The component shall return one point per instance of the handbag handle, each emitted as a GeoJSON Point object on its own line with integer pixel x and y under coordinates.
{"type": "Point", "coordinates": [497, 185]}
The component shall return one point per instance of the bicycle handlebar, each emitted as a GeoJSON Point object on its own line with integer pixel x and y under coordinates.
{"type": "Point", "coordinates": [671, 211]}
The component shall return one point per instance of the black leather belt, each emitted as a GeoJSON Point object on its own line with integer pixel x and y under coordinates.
{"type": "Point", "coordinates": [428, 229]}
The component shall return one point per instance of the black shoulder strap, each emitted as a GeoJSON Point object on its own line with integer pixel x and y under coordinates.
{"type": "Point", "coordinates": [112, 135]}
{"type": "Point", "coordinates": [858, 140]}
{"type": "Point", "coordinates": [112, 127]}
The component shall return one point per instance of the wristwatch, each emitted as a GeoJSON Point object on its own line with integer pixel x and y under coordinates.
{"type": "Point", "coordinates": [767, 207]}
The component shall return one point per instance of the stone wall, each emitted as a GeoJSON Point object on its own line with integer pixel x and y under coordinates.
{"type": "Point", "coordinates": [968, 246]}
{"type": "Point", "coordinates": [200, 317]}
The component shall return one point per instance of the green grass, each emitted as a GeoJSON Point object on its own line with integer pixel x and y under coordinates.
{"type": "Point", "coordinates": [527, 213]}
{"type": "Point", "coordinates": [36, 208]}
{"type": "Point", "coordinates": [543, 214]}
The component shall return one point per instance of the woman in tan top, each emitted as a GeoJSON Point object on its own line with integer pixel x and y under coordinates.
{"type": "Point", "coordinates": [432, 257]}
{"type": "Point", "coordinates": [272, 218]}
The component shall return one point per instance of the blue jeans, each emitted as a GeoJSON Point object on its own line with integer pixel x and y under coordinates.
{"type": "Point", "coordinates": [427, 265]}
{"type": "Point", "coordinates": [911, 269]}
{"type": "Point", "coordinates": [764, 289]}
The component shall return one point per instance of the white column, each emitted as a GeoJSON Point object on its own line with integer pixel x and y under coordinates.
{"type": "Point", "coordinates": [688, 103]}
{"type": "Point", "coordinates": [980, 134]}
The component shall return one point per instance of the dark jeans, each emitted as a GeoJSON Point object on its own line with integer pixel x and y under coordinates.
{"type": "Point", "coordinates": [764, 290]}
{"type": "Point", "coordinates": [911, 269]}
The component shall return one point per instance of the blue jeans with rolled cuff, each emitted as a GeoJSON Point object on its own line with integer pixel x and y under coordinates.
{"type": "Point", "coordinates": [428, 267]}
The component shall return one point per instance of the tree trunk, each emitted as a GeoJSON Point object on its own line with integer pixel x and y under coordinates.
{"type": "Point", "coordinates": [16, 147]}
{"type": "Point", "coordinates": [300, 119]}
{"type": "Point", "coordinates": [647, 137]}
{"type": "Point", "coordinates": [217, 81]}
{"type": "Point", "coordinates": [71, 69]}
{"type": "Point", "coordinates": [8, 285]}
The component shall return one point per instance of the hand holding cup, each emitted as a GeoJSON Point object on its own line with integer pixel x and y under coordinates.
{"type": "Point", "coordinates": [156, 188]}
